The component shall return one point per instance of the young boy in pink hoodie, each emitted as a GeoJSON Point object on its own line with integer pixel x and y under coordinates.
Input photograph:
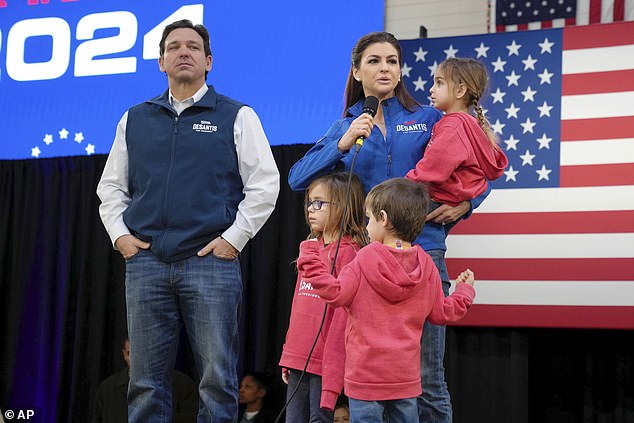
{"type": "Point", "coordinates": [388, 290]}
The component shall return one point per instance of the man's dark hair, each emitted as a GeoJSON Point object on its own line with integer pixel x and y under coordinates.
{"type": "Point", "coordinates": [186, 23]}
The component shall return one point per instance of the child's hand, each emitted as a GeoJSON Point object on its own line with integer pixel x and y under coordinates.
{"type": "Point", "coordinates": [466, 277]}
{"type": "Point", "coordinates": [308, 253]}
{"type": "Point", "coordinates": [309, 247]}
{"type": "Point", "coordinates": [285, 375]}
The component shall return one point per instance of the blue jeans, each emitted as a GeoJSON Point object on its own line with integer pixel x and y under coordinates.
{"type": "Point", "coordinates": [204, 293]}
{"type": "Point", "coordinates": [304, 407]}
{"type": "Point", "coordinates": [434, 404]}
{"type": "Point", "coordinates": [392, 411]}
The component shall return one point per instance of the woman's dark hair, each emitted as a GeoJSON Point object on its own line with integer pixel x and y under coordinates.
{"type": "Point", "coordinates": [354, 89]}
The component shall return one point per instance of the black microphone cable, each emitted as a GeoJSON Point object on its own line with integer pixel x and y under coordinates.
{"type": "Point", "coordinates": [370, 107]}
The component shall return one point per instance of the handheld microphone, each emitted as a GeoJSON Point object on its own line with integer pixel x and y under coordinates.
{"type": "Point", "coordinates": [370, 106]}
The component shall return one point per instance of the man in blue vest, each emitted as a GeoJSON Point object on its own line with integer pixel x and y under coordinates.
{"type": "Point", "coordinates": [189, 180]}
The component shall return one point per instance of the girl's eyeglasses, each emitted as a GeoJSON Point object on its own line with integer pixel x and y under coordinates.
{"type": "Point", "coordinates": [316, 204]}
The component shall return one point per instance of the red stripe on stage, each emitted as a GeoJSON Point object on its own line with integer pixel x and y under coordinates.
{"type": "Point", "coordinates": [522, 27]}
{"type": "Point", "coordinates": [547, 24]}
{"type": "Point", "coordinates": [577, 37]}
{"type": "Point", "coordinates": [595, 11]}
{"type": "Point", "coordinates": [598, 82]}
{"type": "Point", "coordinates": [545, 269]}
{"type": "Point", "coordinates": [590, 129]}
{"type": "Point", "coordinates": [618, 14]}
{"type": "Point", "coordinates": [588, 222]}
{"type": "Point", "coordinates": [597, 175]}
{"type": "Point", "coordinates": [549, 316]}
{"type": "Point", "coordinates": [571, 21]}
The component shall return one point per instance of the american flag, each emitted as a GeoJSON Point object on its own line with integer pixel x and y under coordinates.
{"type": "Point", "coordinates": [553, 244]}
{"type": "Point", "coordinates": [514, 15]}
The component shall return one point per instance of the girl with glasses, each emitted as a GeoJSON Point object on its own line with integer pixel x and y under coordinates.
{"type": "Point", "coordinates": [323, 381]}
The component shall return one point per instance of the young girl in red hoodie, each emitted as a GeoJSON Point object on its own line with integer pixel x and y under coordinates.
{"type": "Point", "coordinates": [388, 290]}
{"type": "Point", "coordinates": [462, 153]}
{"type": "Point", "coordinates": [323, 381]}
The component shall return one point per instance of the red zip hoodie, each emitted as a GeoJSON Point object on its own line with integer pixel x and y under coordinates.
{"type": "Point", "coordinates": [458, 160]}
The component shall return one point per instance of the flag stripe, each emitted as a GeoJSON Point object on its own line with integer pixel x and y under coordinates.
{"type": "Point", "coordinates": [597, 152]}
{"type": "Point", "coordinates": [604, 245]}
{"type": "Point", "coordinates": [597, 106]}
{"type": "Point", "coordinates": [589, 129]}
{"type": "Point", "coordinates": [557, 200]}
{"type": "Point", "coordinates": [597, 175]}
{"type": "Point", "coordinates": [595, 11]}
{"type": "Point", "coordinates": [598, 59]}
{"type": "Point", "coordinates": [549, 316]}
{"type": "Point", "coordinates": [547, 223]}
{"type": "Point", "coordinates": [549, 292]}
{"type": "Point", "coordinates": [570, 269]}
{"type": "Point", "coordinates": [619, 10]}
{"type": "Point", "coordinates": [583, 37]}
{"type": "Point", "coordinates": [598, 82]}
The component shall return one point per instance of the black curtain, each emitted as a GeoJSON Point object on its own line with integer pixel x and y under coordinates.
{"type": "Point", "coordinates": [62, 316]}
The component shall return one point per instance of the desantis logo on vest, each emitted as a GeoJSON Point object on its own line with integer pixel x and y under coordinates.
{"type": "Point", "coordinates": [411, 126]}
{"type": "Point", "coordinates": [204, 126]}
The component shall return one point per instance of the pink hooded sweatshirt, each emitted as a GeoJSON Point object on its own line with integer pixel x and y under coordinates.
{"type": "Point", "coordinates": [458, 160]}
{"type": "Point", "coordinates": [388, 294]}
{"type": "Point", "coordinates": [327, 359]}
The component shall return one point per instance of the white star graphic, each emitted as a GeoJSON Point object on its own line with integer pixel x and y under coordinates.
{"type": "Point", "coordinates": [498, 96]}
{"type": "Point", "coordinates": [405, 70]}
{"type": "Point", "coordinates": [545, 77]}
{"type": "Point", "coordinates": [546, 45]}
{"type": "Point", "coordinates": [498, 65]}
{"type": "Point", "coordinates": [420, 54]}
{"type": "Point", "coordinates": [498, 126]}
{"type": "Point", "coordinates": [450, 52]}
{"type": "Point", "coordinates": [63, 134]}
{"type": "Point", "coordinates": [48, 139]}
{"type": "Point", "coordinates": [514, 48]}
{"type": "Point", "coordinates": [432, 68]}
{"type": "Point", "coordinates": [79, 137]}
{"type": "Point", "coordinates": [35, 152]}
{"type": "Point", "coordinates": [543, 173]}
{"type": "Point", "coordinates": [529, 94]}
{"type": "Point", "coordinates": [90, 149]}
{"type": "Point", "coordinates": [512, 111]}
{"type": "Point", "coordinates": [544, 109]}
{"type": "Point", "coordinates": [511, 143]}
{"type": "Point", "coordinates": [527, 158]}
{"type": "Point", "coordinates": [513, 78]}
{"type": "Point", "coordinates": [528, 126]}
{"type": "Point", "coordinates": [544, 142]}
{"type": "Point", "coordinates": [482, 50]}
{"type": "Point", "coordinates": [529, 63]}
{"type": "Point", "coordinates": [510, 174]}
{"type": "Point", "coordinates": [419, 84]}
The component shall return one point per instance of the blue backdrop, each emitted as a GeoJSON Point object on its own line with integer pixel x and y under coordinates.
{"type": "Point", "coordinates": [69, 69]}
